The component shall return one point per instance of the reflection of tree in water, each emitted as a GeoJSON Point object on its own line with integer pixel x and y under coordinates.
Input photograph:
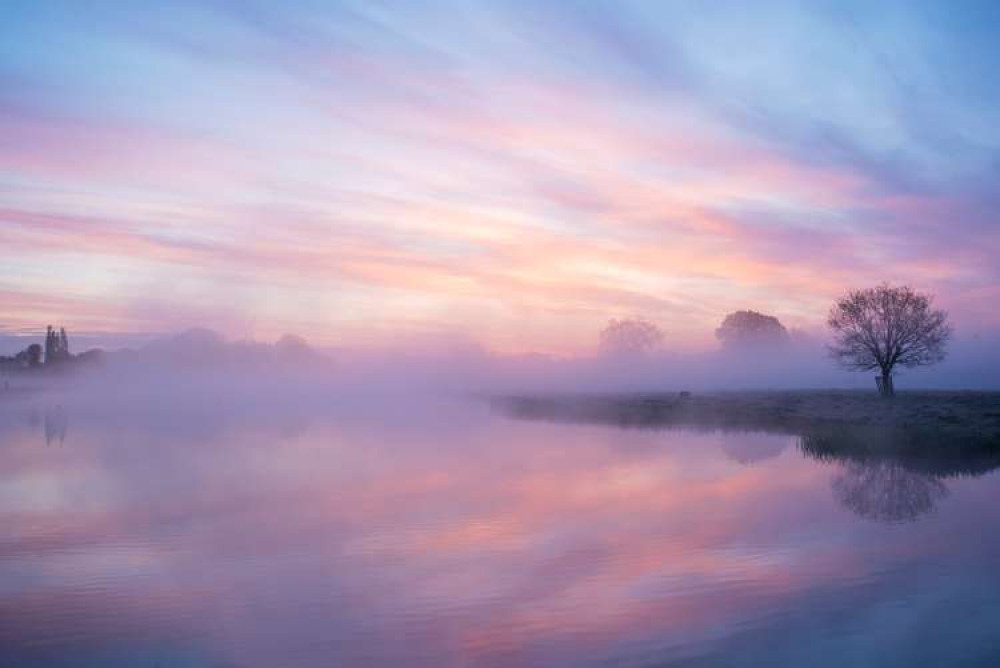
{"type": "Point", "coordinates": [56, 423]}
{"type": "Point", "coordinates": [890, 475]}
{"type": "Point", "coordinates": [752, 447]}
{"type": "Point", "coordinates": [885, 491]}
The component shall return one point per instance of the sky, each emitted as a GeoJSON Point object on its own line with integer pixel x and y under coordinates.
{"type": "Point", "coordinates": [509, 174]}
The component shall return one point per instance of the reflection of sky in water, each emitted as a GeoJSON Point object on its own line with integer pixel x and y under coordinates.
{"type": "Point", "coordinates": [453, 537]}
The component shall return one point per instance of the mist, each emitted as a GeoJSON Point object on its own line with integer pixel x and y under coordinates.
{"type": "Point", "coordinates": [201, 367]}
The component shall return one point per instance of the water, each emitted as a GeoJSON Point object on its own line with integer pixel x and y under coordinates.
{"type": "Point", "coordinates": [448, 535]}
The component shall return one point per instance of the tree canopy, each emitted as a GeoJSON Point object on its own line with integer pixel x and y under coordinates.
{"type": "Point", "coordinates": [630, 337]}
{"type": "Point", "coordinates": [751, 329]}
{"type": "Point", "coordinates": [885, 326]}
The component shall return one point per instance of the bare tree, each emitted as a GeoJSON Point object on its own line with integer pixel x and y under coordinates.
{"type": "Point", "coordinates": [630, 337]}
{"type": "Point", "coordinates": [885, 326]}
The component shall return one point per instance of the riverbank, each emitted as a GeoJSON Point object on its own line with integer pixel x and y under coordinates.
{"type": "Point", "coordinates": [953, 420]}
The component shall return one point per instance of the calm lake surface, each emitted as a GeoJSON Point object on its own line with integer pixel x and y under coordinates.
{"type": "Point", "coordinates": [450, 535]}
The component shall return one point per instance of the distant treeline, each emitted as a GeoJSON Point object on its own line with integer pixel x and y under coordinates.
{"type": "Point", "coordinates": [55, 354]}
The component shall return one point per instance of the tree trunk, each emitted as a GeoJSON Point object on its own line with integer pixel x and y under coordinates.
{"type": "Point", "coordinates": [884, 383]}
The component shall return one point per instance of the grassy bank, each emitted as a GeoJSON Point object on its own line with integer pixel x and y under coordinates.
{"type": "Point", "coordinates": [955, 422]}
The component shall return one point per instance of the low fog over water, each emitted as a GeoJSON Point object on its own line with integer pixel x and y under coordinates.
{"type": "Point", "coordinates": [215, 518]}
{"type": "Point", "coordinates": [197, 362]}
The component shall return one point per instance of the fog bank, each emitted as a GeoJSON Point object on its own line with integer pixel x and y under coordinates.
{"type": "Point", "coordinates": [201, 366]}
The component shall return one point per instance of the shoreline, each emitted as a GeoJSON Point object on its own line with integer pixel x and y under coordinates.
{"type": "Point", "coordinates": [961, 419]}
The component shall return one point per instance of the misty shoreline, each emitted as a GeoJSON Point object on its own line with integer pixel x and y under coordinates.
{"type": "Point", "coordinates": [955, 421]}
{"type": "Point", "coordinates": [915, 421]}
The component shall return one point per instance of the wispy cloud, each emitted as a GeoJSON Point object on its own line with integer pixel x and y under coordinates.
{"type": "Point", "coordinates": [352, 168]}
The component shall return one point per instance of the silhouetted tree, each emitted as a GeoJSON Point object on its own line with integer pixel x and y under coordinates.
{"type": "Point", "coordinates": [33, 355]}
{"type": "Point", "coordinates": [292, 344]}
{"type": "Point", "coordinates": [50, 345]}
{"type": "Point", "coordinates": [751, 329]}
{"type": "Point", "coordinates": [56, 346]}
{"type": "Point", "coordinates": [881, 327]}
{"type": "Point", "coordinates": [630, 337]}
